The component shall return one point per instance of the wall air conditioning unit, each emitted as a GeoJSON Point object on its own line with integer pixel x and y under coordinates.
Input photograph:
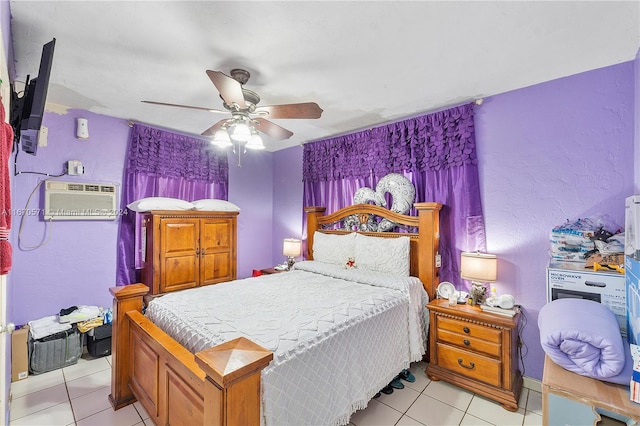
{"type": "Point", "coordinates": [79, 201]}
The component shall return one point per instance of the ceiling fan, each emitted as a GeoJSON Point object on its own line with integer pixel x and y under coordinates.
{"type": "Point", "coordinates": [243, 105]}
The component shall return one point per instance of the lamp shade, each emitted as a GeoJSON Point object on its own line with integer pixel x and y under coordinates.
{"type": "Point", "coordinates": [221, 138]}
{"type": "Point", "coordinates": [481, 267]}
{"type": "Point", "coordinates": [255, 142]}
{"type": "Point", "coordinates": [291, 247]}
{"type": "Point", "coordinates": [241, 132]}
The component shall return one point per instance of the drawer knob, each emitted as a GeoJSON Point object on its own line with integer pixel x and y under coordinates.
{"type": "Point", "coordinates": [466, 330]}
{"type": "Point", "coordinates": [466, 342]}
{"type": "Point", "coordinates": [471, 365]}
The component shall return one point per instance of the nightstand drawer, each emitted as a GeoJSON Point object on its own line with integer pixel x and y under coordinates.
{"type": "Point", "coordinates": [470, 343]}
{"type": "Point", "coordinates": [469, 364]}
{"type": "Point", "coordinates": [470, 329]}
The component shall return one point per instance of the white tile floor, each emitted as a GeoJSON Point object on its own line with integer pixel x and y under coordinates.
{"type": "Point", "coordinates": [77, 395]}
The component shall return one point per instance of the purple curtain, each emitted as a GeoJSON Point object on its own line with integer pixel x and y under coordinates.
{"type": "Point", "coordinates": [164, 164]}
{"type": "Point", "coordinates": [436, 152]}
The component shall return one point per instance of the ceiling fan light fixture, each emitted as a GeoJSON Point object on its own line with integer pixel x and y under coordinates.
{"type": "Point", "coordinates": [255, 142]}
{"type": "Point", "coordinates": [221, 138]}
{"type": "Point", "coordinates": [241, 132]}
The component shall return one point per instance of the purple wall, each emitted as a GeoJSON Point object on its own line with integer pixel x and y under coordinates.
{"type": "Point", "coordinates": [77, 265]}
{"type": "Point", "coordinates": [251, 188]}
{"type": "Point", "coordinates": [288, 216]}
{"type": "Point", "coordinates": [555, 151]}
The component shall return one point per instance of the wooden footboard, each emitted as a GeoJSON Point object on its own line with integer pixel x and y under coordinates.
{"type": "Point", "coordinates": [218, 386]}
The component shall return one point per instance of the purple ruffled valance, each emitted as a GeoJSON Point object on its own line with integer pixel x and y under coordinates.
{"type": "Point", "coordinates": [431, 142]}
{"type": "Point", "coordinates": [163, 164]}
{"type": "Point", "coordinates": [160, 153]}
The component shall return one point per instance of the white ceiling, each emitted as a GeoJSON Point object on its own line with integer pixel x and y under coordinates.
{"type": "Point", "coordinates": [363, 62]}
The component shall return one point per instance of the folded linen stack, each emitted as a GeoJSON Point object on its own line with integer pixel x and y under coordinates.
{"type": "Point", "coordinates": [50, 325]}
{"type": "Point", "coordinates": [80, 313]}
{"type": "Point", "coordinates": [46, 326]}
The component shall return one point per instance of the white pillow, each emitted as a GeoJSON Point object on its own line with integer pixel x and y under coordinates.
{"type": "Point", "coordinates": [215, 205]}
{"type": "Point", "coordinates": [389, 255]}
{"type": "Point", "coordinates": [333, 248]}
{"type": "Point", "coordinates": [159, 203]}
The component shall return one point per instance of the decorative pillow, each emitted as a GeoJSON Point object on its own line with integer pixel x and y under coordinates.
{"type": "Point", "coordinates": [215, 205]}
{"type": "Point", "coordinates": [390, 255]}
{"type": "Point", "coordinates": [334, 249]}
{"type": "Point", "coordinates": [159, 203]}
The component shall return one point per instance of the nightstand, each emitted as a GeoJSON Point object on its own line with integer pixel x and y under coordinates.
{"type": "Point", "coordinates": [475, 350]}
{"type": "Point", "coordinates": [269, 271]}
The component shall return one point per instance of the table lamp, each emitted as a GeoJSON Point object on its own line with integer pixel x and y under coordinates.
{"type": "Point", "coordinates": [291, 248]}
{"type": "Point", "coordinates": [479, 268]}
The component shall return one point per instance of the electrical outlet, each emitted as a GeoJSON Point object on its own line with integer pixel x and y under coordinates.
{"type": "Point", "coordinates": [75, 167]}
{"type": "Point", "coordinates": [42, 138]}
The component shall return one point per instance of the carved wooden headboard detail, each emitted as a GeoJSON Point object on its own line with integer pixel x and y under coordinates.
{"type": "Point", "coordinates": [423, 231]}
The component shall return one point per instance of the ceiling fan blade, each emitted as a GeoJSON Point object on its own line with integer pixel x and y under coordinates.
{"type": "Point", "coordinates": [184, 106]}
{"type": "Point", "coordinates": [272, 129]}
{"type": "Point", "coordinates": [302, 110]}
{"type": "Point", "coordinates": [230, 89]}
{"type": "Point", "coordinates": [212, 130]}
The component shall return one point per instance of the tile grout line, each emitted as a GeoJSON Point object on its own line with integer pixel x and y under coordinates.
{"type": "Point", "coordinates": [66, 387]}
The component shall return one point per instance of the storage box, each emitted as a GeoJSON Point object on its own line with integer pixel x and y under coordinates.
{"type": "Point", "coordinates": [567, 279]}
{"type": "Point", "coordinates": [20, 354]}
{"type": "Point", "coordinates": [55, 351]}
{"type": "Point", "coordinates": [99, 341]}
{"type": "Point", "coordinates": [632, 276]}
{"type": "Point", "coordinates": [634, 386]}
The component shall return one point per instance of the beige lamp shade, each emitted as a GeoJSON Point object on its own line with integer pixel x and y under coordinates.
{"type": "Point", "coordinates": [292, 247]}
{"type": "Point", "coordinates": [480, 267]}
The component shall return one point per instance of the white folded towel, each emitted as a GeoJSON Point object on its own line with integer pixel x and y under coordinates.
{"type": "Point", "coordinates": [46, 326]}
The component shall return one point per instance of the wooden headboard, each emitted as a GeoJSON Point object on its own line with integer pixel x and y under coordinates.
{"type": "Point", "coordinates": [423, 231]}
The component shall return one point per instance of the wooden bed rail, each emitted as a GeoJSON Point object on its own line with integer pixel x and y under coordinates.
{"type": "Point", "coordinates": [217, 386]}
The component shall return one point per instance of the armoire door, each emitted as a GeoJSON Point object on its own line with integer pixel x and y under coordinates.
{"type": "Point", "coordinates": [179, 254]}
{"type": "Point", "coordinates": [217, 257]}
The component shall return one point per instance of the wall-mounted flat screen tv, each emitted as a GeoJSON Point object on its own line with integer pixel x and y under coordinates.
{"type": "Point", "coordinates": [27, 110]}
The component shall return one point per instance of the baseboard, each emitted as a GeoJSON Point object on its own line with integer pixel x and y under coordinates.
{"type": "Point", "coordinates": [532, 384]}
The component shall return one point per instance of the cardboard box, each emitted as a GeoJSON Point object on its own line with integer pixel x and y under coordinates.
{"type": "Point", "coordinates": [20, 354]}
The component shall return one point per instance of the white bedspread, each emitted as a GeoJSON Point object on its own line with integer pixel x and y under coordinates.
{"type": "Point", "coordinates": [338, 335]}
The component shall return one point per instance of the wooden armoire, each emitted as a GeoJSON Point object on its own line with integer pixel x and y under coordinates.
{"type": "Point", "coordinates": [187, 249]}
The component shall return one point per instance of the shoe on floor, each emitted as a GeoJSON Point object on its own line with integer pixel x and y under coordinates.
{"type": "Point", "coordinates": [387, 390]}
{"type": "Point", "coordinates": [407, 376]}
{"type": "Point", "coordinates": [377, 395]}
{"type": "Point", "coordinates": [396, 383]}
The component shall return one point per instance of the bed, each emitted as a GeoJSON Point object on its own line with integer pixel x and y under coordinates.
{"type": "Point", "coordinates": [341, 334]}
